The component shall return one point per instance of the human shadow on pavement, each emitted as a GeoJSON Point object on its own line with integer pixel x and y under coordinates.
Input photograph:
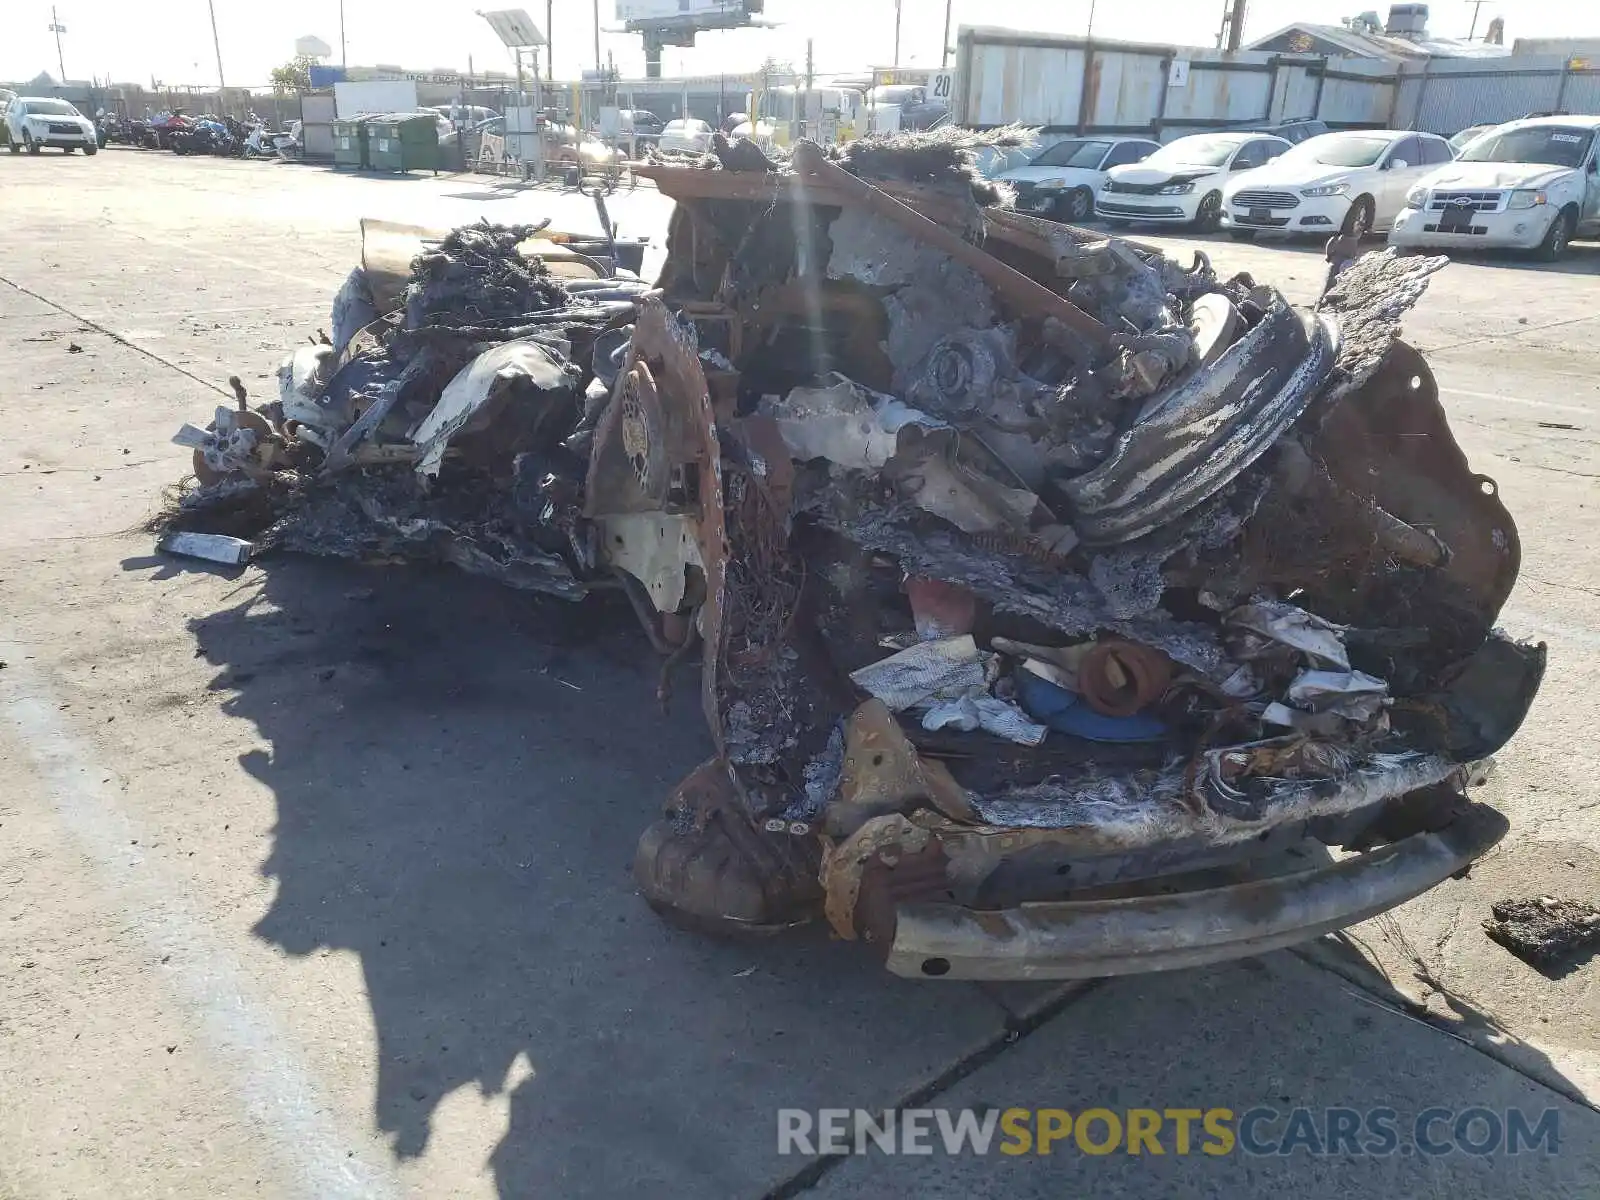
{"type": "Point", "coordinates": [461, 772]}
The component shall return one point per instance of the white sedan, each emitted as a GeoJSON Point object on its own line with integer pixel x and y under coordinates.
{"type": "Point", "coordinates": [1182, 182]}
{"type": "Point", "coordinates": [688, 136]}
{"type": "Point", "coordinates": [1353, 183]}
{"type": "Point", "coordinates": [1061, 180]}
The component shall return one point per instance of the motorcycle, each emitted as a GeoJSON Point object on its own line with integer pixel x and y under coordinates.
{"type": "Point", "coordinates": [162, 129]}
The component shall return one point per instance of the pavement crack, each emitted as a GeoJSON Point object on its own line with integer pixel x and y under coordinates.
{"type": "Point", "coordinates": [1016, 1030]}
{"type": "Point", "coordinates": [1565, 587]}
{"type": "Point", "coordinates": [117, 337]}
{"type": "Point", "coordinates": [1402, 1005]}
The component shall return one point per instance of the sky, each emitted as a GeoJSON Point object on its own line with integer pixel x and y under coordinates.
{"type": "Point", "coordinates": [127, 42]}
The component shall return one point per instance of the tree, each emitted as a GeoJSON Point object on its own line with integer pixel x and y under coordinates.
{"type": "Point", "coordinates": [294, 75]}
{"type": "Point", "coordinates": [772, 68]}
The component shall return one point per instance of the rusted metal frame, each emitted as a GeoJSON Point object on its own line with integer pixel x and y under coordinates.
{"type": "Point", "coordinates": [1024, 293]}
{"type": "Point", "coordinates": [1161, 102]}
{"type": "Point", "coordinates": [1162, 932]}
{"type": "Point", "coordinates": [1272, 89]}
{"type": "Point", "coordinates": [1090, 89]}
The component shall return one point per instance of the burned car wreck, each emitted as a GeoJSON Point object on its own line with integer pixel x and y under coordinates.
{"type": "Point", "coordinates": [1063, 610]}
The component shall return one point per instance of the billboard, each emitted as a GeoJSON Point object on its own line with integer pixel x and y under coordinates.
{"type": "Point", "coordinates": [685, 12]}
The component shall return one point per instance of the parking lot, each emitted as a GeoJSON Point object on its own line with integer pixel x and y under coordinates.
{"type": "Point", "coordinates": [316, 875]}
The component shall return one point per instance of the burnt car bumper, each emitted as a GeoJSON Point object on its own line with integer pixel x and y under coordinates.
{"type": "Point", "coordinates": [1089, 939]}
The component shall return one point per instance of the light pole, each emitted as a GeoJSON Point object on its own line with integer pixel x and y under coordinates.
{"type": "Point", "coordinates": [57, 28]}
{"type": "Point", "coordinates": [596, 35]}
{"type": "Point", "coordinates": [944, 46]}
{"type": "Point", "coordinates": [216, 44]}
{"type": "Point", "coordinates": [1476, 5]}
{"type": "Point", "coordinates": [344, 54]}
{"type": "Point", "coordinates": [897, 32]}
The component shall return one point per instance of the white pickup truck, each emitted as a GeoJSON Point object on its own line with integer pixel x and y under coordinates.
{"type": "Point", "coordinates": [1527, 185]}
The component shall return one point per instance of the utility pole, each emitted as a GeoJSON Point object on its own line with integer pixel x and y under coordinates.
{"type": "Point", "coordinates": [596, 35]}
{"type": "Point", "coordinates": [1232, 25]}
{"type": "Point", "coordinates": [550, 36]}
{"type": "Point", "coordinates": [216, 44]}
{"type": "Point", "coordinates": [897, 32]}
{"type": "Point", "coordinates": [1089, 32]}
{"type": "Point", "coordinates": [1476, 5]}
{"type": "Point", "coordinates": [344, 56]}
{"type": "Point", "coordinates": [57, 28]}
{"type": "Point", "coordinates": [944, 46]}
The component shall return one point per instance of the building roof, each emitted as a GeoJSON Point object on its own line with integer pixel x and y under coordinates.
{"type": "Point", "coordinates": [1358, 44]}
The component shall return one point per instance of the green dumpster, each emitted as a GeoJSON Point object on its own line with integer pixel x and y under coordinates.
{"type": "Point", "coordinates": [404, 142]}
{"type": "Point", "coordinates": [350, 146]}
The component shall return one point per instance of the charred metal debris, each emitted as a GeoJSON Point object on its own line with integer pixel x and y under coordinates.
{"type": "Point", "coordinates": [1021, 560]}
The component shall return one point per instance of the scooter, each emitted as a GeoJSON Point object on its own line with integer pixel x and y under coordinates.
{"type": "Point", "coordinates": [258, 143]}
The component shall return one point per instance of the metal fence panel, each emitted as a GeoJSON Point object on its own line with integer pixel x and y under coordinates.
{"type": "Point", "coordinates": [1347, 101]}
{"type": "Point", "coordinates": [1582, 93]}
{"type": "Point", "coordinates": [1216, 97]}
{"type": "Point", "coordinates": [1037, 79]}
{"type": "Point", "coordinates": [1127, 93]}
{"type": "Point", "coordinates": [1450, 103]}
{"type": "Point", "coordinates": [1033, 85]}
{"type": "Point", "coordinates": [1296, 92]}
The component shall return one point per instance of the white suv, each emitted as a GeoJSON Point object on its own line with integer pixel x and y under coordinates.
{"type": "Point", "coordinates": [1529, 185]}
{"type": "Point", "coordinates": [1352, 183]}
{"type": "Point", "coordinates": [34, 122]}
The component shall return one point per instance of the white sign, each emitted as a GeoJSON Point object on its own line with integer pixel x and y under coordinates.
{"type": "Point", "coordinates": [1178, 73]}
{"type": "Point", "coordinates": [514, 27]}
{"type": "Point", "coordinates": [674, 10]}
{"type": "Point", "coordinates": [312, 47]}
{"type": "Point", "coordinates": [943, 87]}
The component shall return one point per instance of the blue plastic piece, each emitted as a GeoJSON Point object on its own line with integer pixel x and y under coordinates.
{"type": "Point", "coordinates": [1058, 709]}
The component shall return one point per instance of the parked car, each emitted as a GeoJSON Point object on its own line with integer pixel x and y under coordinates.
{"type": "Point", "coordinates": [291, 144]}
{"type": "Point", "coordinates": [471, 138]}
{"type": "Point", "coordinates": [465, 115]}
{"type": "Point", "coordinates": [1182, 182]}
{"type": "Point", "coordinates": [1062, 180]}
{"type": "Point", "coordinates": [1460, 141]}
{"type": "Point", "coordinates": [562, 145]}
{"type": "Point", "coordinates": [34, 122]}
{"type": "Point", "coordinates": [995, 161]}
{"type": "Point", "coordinates": [1295, 130]}
{"type": "Point", "coordinates": [913, 107]}
{"type": "Point", "coordinates": [1527, 185]}
{"type": "Point", "coordinates": [689, 136]}
{"type": "Point", "coordinates": [641, 123]}
{"type": "Point", "coordinates": [1353, 183]}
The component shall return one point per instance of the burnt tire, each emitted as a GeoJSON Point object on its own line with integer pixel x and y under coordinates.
{"type": "Point", "coordinates": [1554, 246]}
{"type": "Point", "coordinates": [1358, 221]}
